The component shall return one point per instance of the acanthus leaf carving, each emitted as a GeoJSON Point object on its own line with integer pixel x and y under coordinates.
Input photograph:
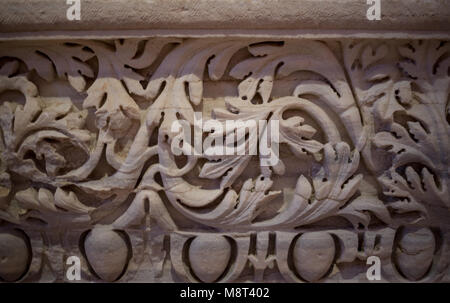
{"type": "Point", "coordinates": [362, 169]}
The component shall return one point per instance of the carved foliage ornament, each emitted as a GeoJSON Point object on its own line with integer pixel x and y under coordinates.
{"type": "Point", "coordinates": [87, 167]}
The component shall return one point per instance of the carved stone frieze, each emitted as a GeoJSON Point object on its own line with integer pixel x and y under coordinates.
{"type": "Point", "coordinates": [88, 169]}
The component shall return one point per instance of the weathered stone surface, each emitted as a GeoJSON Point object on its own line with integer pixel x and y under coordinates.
{"type": "Point", "coordinates": [96, 163]}
{"type": "Point", "coordinates": [14, 255]}
{"type": "Point", "coordinates": [209, 256]}
{"type": "Point", "coordinates": [107, 253]}
{"type": "Point", "coordinates": [415, 252]}
{"type": "Point", "coordinates": [313, 255]}
{"type": "Point", "coordinates": [99, 15]}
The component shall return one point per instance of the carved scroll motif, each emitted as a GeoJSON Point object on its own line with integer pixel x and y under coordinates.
{"type": "Point", "coordinates": [87, 165]}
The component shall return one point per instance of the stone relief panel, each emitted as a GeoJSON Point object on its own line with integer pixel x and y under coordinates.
{"type": "Point", "coordinates": [88, 170]}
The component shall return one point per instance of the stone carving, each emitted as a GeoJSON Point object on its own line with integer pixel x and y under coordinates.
{"type": "Point", "coordinates": [313, 255]}
{"type": "Point", "coordinates": [107, 252]}
{"type": "Point", "coordinates": [87, 167]}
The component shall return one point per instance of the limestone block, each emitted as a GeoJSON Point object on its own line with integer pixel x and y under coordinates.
{"type": "Point", "coordinates": [339, 129]}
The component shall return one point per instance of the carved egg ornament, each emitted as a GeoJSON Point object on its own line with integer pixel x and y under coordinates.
{"type": "Point", "coordinates": [14, 255]}
{"type": "Point", "coordinates": [107, 253]}
{"type": "Point", "coordinates": [414, 252]}
{"type": "Point", "coordinates": [209, 256]}
{"type": "Point", "coordinates": [313, 255]}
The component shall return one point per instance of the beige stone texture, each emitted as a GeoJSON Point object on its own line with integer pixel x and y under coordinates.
{"type": "Point", "coordinates": [93, 164]}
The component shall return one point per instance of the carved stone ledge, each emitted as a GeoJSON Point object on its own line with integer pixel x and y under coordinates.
{"type": "Point", "coordinates": [87, 167]}
{"type": "Point", "coordinates": [213, 16]}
